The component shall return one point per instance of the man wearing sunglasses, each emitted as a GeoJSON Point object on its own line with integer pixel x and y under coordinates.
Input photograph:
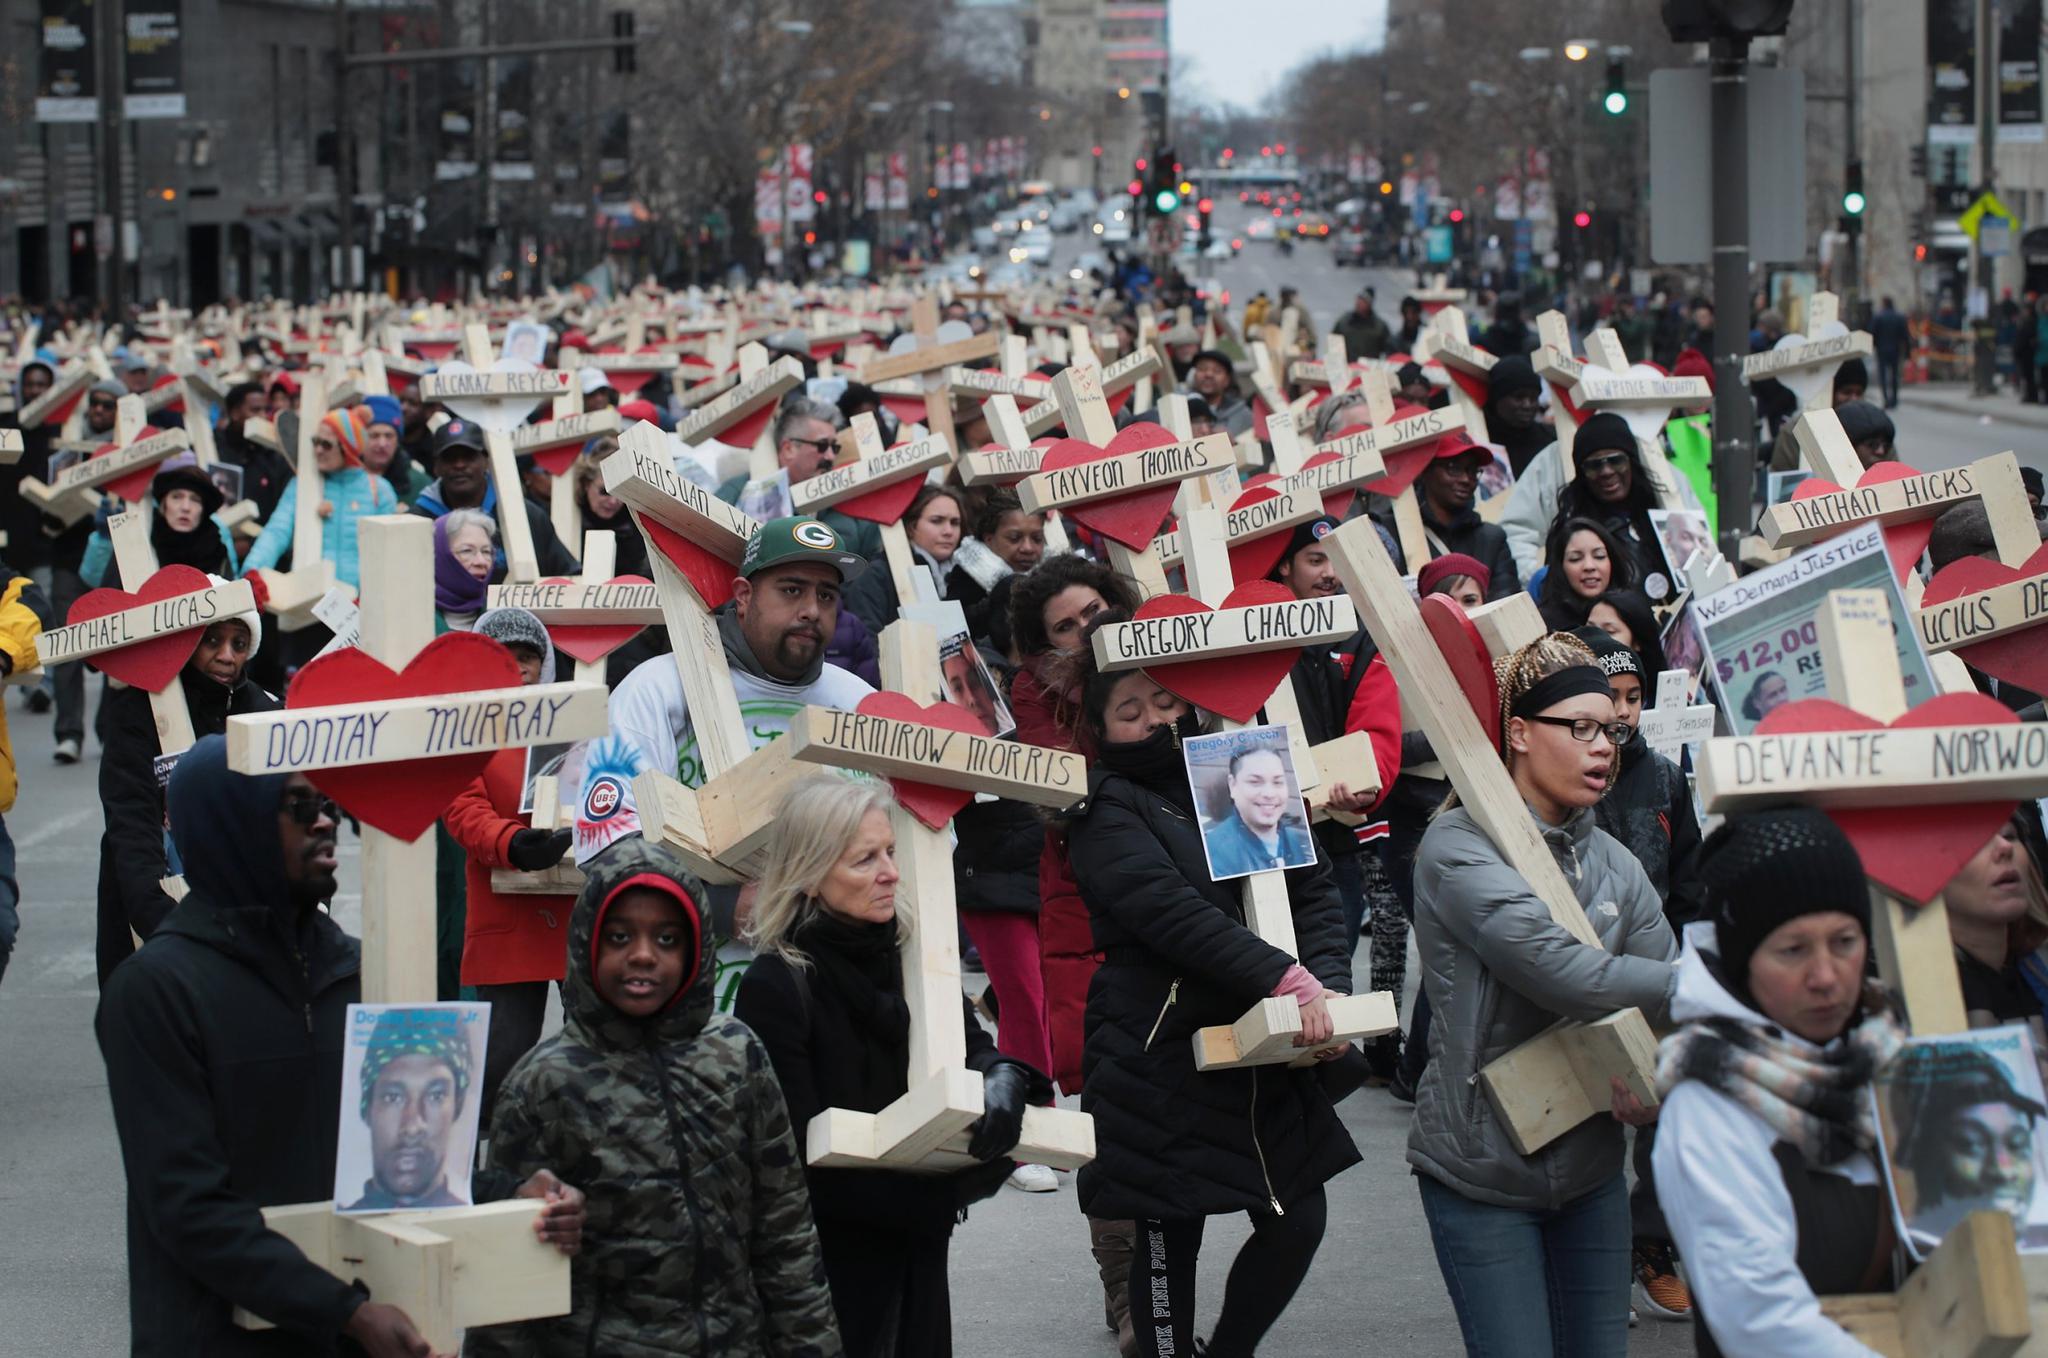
{"type": "Point", "coordinates": [806, 435]}
{"type": "Point", "coordinates": [223, 1042]}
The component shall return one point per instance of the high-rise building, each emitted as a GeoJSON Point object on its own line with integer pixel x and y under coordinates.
{"type": "Point", "coordinates": [1096, 63]}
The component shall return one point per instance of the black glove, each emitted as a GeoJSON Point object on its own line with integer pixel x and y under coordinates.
{"type": "Point", "coordinates": [533, 850]}
{"type": "Point", "coordinates": [995, 1132]}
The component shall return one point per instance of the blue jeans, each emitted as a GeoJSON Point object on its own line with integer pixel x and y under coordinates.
{"type": "Point", "coordinates": [1507, 1269]}
{"type": "Point", "coordinates": [10, 897]}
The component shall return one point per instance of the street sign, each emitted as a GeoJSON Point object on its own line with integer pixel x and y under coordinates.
{"type": "Point", "coordinates": [1681, 165]}
{"type": "Point", "coordinates": [1983, 213]}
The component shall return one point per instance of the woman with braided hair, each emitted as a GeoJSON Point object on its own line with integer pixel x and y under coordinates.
{"type": "Point", "coordinates": [1534, 1249]}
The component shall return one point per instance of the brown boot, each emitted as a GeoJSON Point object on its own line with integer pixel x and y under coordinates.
{"type": "Point", "coordinates": [1114, 1243]}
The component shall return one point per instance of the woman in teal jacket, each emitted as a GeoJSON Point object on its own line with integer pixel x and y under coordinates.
{"type": "Point", "coordinates": [348, 492]}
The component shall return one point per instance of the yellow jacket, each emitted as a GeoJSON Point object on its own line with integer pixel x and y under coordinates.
{"type": "Point", "coordinates": [19, 624]}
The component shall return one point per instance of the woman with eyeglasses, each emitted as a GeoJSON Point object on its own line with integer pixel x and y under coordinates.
{"type": "Point", "coordinates": [1534, 1249]}
{"type": "Point", "coordinates": [348, 492]}
{"type": "Point", "coordinates": [1611, 487]}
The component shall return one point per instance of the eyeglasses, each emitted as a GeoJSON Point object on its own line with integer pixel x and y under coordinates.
{"type": "Point", "coordinates": [822, 445]}
{"type": "Point", "coordinates": [1583, 729]}
{"type": "Point", "coordinates": [307, 808]}
{"type": "Point", "coordinates": [329, 444]}
{"type": "Point", "coordinates": [1614, 462]}
{"type": "Point", "coordinates": [103, 403]}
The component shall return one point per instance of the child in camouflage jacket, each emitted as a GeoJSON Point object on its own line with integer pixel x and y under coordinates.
{"type": "Point", "coordinates": [698, 1239]}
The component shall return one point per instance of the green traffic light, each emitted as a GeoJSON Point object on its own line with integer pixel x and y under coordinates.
{"type": "Point", "coordinates": [1617, 102]}
{"type": "Point", "coordinates": [1853, 203]}
{"type": "Point", "coordinates": [1166, 201]}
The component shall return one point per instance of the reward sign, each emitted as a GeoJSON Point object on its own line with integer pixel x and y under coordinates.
{"type": "Point", "coordinates": [494, 384]}
{"type": "Point", "coordinates": [1798, 522]}
{"type": "Point", "coordinates": [414, 728]}
{"type": "Point", "coordinates": [96, 471]}
{"type": "Point", "coordinates": [828, 488]}
{"type": "Point", "coordinates": [1871, 766]}
{"type": "Point", "coordinates": [571, 603]}
{"type": "Point", "coordinates": [112, 631]}
{"type": "Point", "coordinates": [1103, 477]}
{"type": "Point", "coordinates": [1224, 632]}
{"type": "Point", "coordinates": [939, 756]}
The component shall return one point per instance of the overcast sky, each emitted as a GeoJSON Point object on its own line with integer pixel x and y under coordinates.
{"type": "Point", "coordinates": [1237, 50]}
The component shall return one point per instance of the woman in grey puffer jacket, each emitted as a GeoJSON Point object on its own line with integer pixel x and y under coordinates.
{"type": "Point", "coordinates": [1525, 1239]}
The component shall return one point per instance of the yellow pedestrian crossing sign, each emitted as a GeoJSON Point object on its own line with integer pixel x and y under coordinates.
{"type": "Point", "coordinates": [1987, 205]}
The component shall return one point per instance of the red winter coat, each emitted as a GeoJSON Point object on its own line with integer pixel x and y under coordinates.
{"type": "Point", "coordinates": [1066, 942]}
{"type": "Point", "coordinates": [505, 938]}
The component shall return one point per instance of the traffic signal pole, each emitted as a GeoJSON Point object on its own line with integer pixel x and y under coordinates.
{"type": "Point", "coordinates": [1734, 415]}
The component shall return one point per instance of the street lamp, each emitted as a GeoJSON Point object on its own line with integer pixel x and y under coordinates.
{"type": "Point", "coordinates": [1578, 49]}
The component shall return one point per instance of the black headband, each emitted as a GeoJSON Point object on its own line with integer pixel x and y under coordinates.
{"type": "Point", "coordinates": [1569, 682]}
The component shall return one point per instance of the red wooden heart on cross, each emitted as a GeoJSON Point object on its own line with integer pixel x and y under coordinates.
{"type": "Point", "coordinates": [405, 798]}
{"type": "Point", "coordinates": [908, 409]}
{"type": "Point", "coordinates": [1255, 558]}
{"type": "Point", "coordinates": [433, 351]}
{"type": "Point", "coordinates": [1912, 850]}
{"type": "Point", "coordinates": [1473, 385]}
{"type": "Point", "coordinates": [884, 504]}
{"type": "Point", "coordinates": [709, 574]}
{"type": "Point", "coordinates": [176, 405]}
{"type": "Point", "coordinates": [626, 381]}
{"type": "Point", "coordinates": [1903, 541]}
{"type": "Point", "coordinates": [931, 804]}
{"type": "Point", "coordinates": [148, 665]}
{"type": "Point", "coordinates": [1464, 650]}
{"type": "Point", "coordinates": [1133, 519]}
{"type": "Point", "coordinates": [592, 642]}
{"type": "Point", "coordinates": [1233, 686]}
{"type": "Point", "coordinates": [2017, 657]}
{"type": "Point", "coordinates": [131, 486]}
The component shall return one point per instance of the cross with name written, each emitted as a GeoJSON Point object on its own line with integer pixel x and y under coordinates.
{"type": "Point", "coordinates": [554, 445]}
{"type": "Point", "coordinates": [1806, 363]}
{"type": "Point", "coordinates": [1554, 1082]}
{"type": "Point", "coordinates": [936, 765]}
{"type": "Point", "coordinates": [395, 762]}
{"type": "Point", "coordinates": [878, 485]}
{"type": "Point", "coordinates": [1222, 620]}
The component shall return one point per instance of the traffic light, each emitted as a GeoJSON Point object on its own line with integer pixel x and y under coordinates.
{"type": "Point", "coordinates": [1853, 201]}
{"type": "Point", "coordinates": [1203, 207]}
{"type": "Point", "coordinates": [1166, 193]}
{"type": "Point", "coordinates": [1616, 102]}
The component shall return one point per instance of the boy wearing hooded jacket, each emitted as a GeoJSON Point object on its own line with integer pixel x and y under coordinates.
{"type": "Point", "coordinates": [699, 1238]}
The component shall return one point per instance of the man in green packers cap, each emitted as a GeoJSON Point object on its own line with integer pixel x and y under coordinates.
{"type": "Point", "coordinates": [784, 609]}
{"type": "Point", "coordinates": [415, 1083]}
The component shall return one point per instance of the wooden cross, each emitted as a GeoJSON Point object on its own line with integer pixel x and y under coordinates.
{"type": "Point", "coordinates": [1972, 1286]}
{"type": "Point", "coordinates": [1806, 363]}
{"type": "Point", "coordinates": [924, 357]}
{"type": "Point", "coordinates": [1673, 724]}
{"type": "Point", "coordinates": [1013, 458]}
{"type": "Point", "coordinates": [509, 395]}
{"type": "Point", "coordinates": [64, 396]}
{"type": "Point", "coordinates": [874, 467]}
{"type": "Point", "coordinates": [130, 452]}
{"type": "Point", "coordinates": [553, 445]}
{"type": "Point", "coordinates": [761, 386]}
{"type": "Point", "coordinates": [593, 599]}
{"type": "Point", "coordinates": [1646, 402]}
{"type": "Point", "coordinates": [1826, 449]}
{"type": "Point", "coordinates": [926, 1130]}
{"type": "Point", "coordinates": [292, 594]}
{"type": "Point", "coordinates": [1127, 371]}
{"type": "Point", "coordinates": [1557, 1080]}
{"type": "Point", "coordinates": [1265, 1034]}
{"type": "Point", "coordinates": [1087, 417]}
{"type": "Point", "coordinates": [455, 1267]}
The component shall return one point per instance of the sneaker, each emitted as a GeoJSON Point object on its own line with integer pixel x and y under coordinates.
{"type": "Point", "coordinates": [1663, 1293]}
{"type": "Point", "coordinates": [67, 751]}
{"type": "Point", "coordinates": [1034, 1179]}
{"type": "Point", "coordinates": [39, 700]}
{"type": "Point", "coordinates": [1401, 1087]}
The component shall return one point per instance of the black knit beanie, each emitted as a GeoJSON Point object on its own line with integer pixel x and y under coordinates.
{"type": "Point", "coordinates": [1509, 375]}
{"type": "Point", "coordinates": [1600, 433]}
{"type": "Point", "coordinates": [1767, 868]}
{"type": "Point", "coordinates": [1305, 535]}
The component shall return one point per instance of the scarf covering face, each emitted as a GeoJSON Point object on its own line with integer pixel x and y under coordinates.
{"type": "Point", "coordinates": [1815, 1099]}
{"type": "Point", "coordinates": [455, 589]}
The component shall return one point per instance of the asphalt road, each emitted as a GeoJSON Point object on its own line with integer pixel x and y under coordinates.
{"type": "Point", "coordinates": [1023, 1279]}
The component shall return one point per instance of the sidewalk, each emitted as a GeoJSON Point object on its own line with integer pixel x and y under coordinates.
{"type": "Point", "coordinates": [1954, 398]}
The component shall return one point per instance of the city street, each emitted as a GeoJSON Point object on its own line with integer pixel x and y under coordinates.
{"type": "Point", "coordinates": [1023, 1279]}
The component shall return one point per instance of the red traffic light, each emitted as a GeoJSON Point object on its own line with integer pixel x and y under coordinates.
{"type": "Point", "coordinates": [1582, 219]}
{"type": "Point", "coordinates": [1279, 148]}
{"type": "Point", "coordinates": [1205, 206]}
{"type": "Point", "coordinates": [1228, 153]}
{"type": "Point", "coordinates": [1265, 150]}
{"type": "Point", "coordinates": [1457, 214]}
{"type": "Point", "coordinates": [1096, 149]}
{"type": "Point", "coordinates": [819, 196]}
{"type": "Point", "coordinates": [1139, 164]}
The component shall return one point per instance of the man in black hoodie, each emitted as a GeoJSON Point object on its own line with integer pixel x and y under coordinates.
{"type": "Point", "coordinates": [223, 1044]}
{"type": "Point", "coordinates": [1512, 397]}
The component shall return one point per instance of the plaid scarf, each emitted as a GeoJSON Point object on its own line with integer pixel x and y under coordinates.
{"type": "Point", "coordinates": [1815, 1100]}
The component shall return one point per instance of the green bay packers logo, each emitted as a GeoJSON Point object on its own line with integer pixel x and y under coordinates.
{"type": "Point", "coordinates": [816, 536]}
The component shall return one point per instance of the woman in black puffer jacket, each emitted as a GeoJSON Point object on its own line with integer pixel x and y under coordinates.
{"type": "Point", "coordinates": [1174, 1145]}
